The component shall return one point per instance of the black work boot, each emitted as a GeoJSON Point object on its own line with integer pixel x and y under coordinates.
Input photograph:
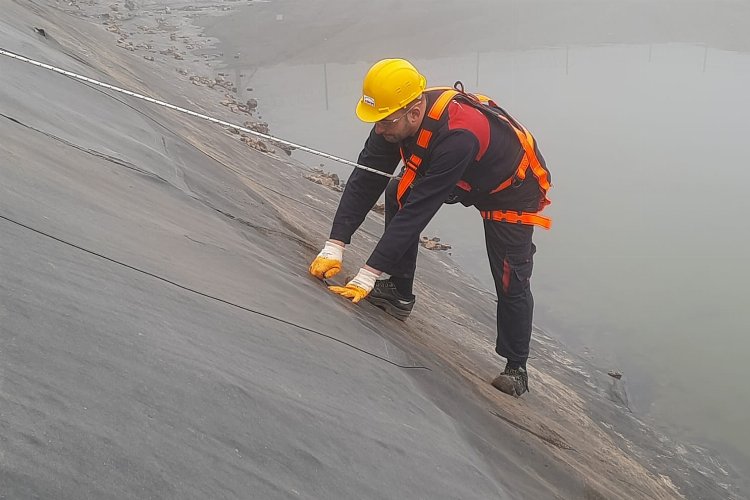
{"type": "Point", "coordinates": [513, 381]}
{"type": "Point", "coordinates": [386, 296]}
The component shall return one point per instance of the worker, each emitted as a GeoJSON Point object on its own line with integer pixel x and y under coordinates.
{"type": "Point", "coordinates": [456, 147]}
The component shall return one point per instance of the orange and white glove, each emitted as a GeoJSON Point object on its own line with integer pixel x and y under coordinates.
{"type": "Point", "coordinates": [328, 262]}
{"type": "Point", "coordinates": [359, 286]}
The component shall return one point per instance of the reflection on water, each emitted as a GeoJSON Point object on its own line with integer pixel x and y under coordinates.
{"type": "Point", "coordinates": [646, 264]}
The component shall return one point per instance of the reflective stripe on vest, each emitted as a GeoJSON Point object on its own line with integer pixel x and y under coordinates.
{"type": "Point", "coordinates": [423, 142]}
{"type": "Point", "coordinates": [529, 159]}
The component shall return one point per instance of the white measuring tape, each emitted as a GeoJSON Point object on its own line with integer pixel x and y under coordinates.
{"type": "Point", "coordinates": [189, 112]}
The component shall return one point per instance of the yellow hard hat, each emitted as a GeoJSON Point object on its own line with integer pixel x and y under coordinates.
{"type": "Point", "coordinates": [390, 85]}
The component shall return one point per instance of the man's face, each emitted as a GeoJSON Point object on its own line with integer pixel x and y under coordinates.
{"type": "Point", "coordinates": [397, 126]}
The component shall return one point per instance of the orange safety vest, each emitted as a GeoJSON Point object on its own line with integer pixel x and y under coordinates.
{"type": "Point", "coordinates": [529, 160]}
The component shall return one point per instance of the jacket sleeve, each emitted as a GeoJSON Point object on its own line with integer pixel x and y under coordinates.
{"type": "Point", "coordinates": [445, 167]}
{"type": "Point", "coordinates": [363, 188]}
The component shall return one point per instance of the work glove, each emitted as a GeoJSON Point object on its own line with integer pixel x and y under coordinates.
{"type": "Point", "coordinates": [359, 287]}
{"type": "Point", "coordinates": [328, 262]}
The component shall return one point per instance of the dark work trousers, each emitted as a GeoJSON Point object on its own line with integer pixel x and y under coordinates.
{"type": "Point", "coordinates": [511, 254]}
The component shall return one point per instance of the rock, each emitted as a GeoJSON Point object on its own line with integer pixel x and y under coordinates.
{"type": "Point", "coordinates": [252, 103]}
{"type": "Point", "coordinates": [148, 58]}
{"type": "Point", "coordinates": [618, 393]}
{"type": "Point", "coordinates": [615, 374]}
{"type": "Point", "coordinates": [379, 208]}
{"type": "Point", "coordinates": [287, 149]}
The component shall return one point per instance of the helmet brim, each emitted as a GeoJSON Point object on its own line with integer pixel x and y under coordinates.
{"type": "Point", "coordinates": [369, 114]}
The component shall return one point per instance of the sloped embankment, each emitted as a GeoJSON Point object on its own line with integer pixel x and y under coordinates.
{"type": "Point", "coordinates": [160, 336]}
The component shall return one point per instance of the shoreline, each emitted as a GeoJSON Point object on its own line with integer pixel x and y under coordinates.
{"type": "Point", "coordinates": [156, 45]}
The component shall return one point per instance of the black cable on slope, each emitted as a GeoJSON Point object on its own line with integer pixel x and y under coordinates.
{"type": "Point", "coordinates": [197, 292]}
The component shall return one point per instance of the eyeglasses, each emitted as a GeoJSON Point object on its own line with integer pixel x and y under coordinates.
{"type": "Point", "coordinates": [387, 122]}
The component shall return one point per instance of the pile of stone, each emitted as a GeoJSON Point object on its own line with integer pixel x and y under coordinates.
{"type": "Point", "coordinates": [220, 81]}
{"type": "Point", "coordinates": [234, 106]}
{"type": "Point", "coordinates": [433, 243]}
{"type": "Point", "coordinates": [174, 52]}
{"type": "Point", "coordinates": [256, 143]}
{"type": "Point", "coordinates": [261, 127]}
{"type": "Point", "coordinates": [329, 180]}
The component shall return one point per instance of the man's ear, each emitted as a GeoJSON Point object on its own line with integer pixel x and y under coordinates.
{"type": "Point", "coordinates": [416, 111]}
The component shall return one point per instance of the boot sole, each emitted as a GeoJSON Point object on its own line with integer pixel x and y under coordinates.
{"type": "Point", "coordinates": [386, 306]}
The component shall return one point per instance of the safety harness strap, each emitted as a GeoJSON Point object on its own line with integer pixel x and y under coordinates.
{"type": "Point", "coordinates": [529, 159]}
{"type": "Point", "coordinates": [408, 176]}
{"type": "Point", "coordinates": [513, 217]}
{"type": "Point", "coordinates": [423, 142]}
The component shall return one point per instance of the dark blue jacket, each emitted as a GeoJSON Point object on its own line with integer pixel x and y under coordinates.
{"type": "Point", "coordinates": [466, 146]}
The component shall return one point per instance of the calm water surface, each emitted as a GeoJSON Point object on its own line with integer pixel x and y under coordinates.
{"type": "Point", "coordinates": [646, 267]}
